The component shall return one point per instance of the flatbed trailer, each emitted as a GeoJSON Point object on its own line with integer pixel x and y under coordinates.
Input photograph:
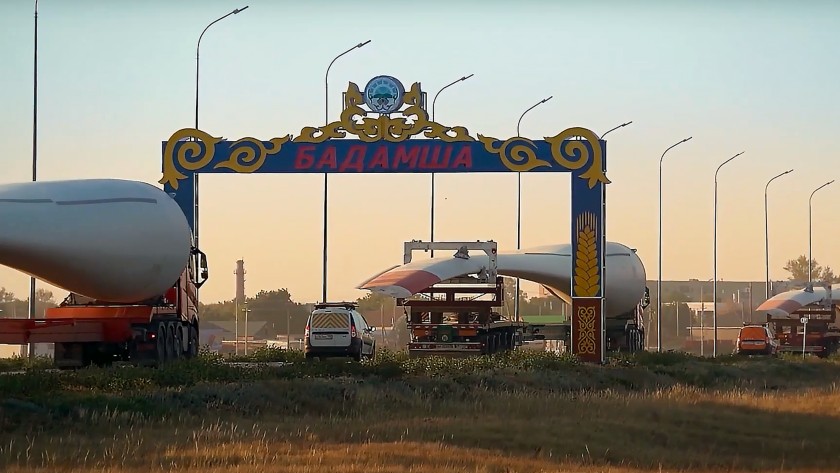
{"type": "Point", "coordinates": [460, 326]}
{"type": "Point", "coordinates": [461, 316]}
{"type": "Point", "coordinates": [821, 332]}
{"type": "Point", "coordinates": [89, 332]}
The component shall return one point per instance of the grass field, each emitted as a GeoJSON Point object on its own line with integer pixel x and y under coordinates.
{"type": "Point", "coordinates": [525, 412]}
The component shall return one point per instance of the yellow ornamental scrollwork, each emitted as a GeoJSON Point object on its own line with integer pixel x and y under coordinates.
{"type": "Point", "coordinates": [248, 155]}
{"type": "Point", "coordinates": [575, 154]}
{"type": "Point", "coordinates": [517, 154]}
{"type": "Point", "coordinates": [587, 269]}
{"type": "Point", "coordinates": [459, 133]}
{"type": "Point", "coordinates": [352, 107]}
{"type": "Point", "coordinates": [354, 121]}
{"type": "Point", "coordinates": [192, 155]}
{"type": "Point", "coordinates": [586, 330]}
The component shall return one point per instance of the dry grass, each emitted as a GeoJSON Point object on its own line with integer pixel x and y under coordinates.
{"type": "Point", "coordinates": [677, 429]}
{"type": "Point", "coordinates": [651, 413]}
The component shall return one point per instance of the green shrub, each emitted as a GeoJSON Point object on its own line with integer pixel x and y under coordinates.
{"type": "Point", "coordinates": [18, 363]}
{"type": "Point", "coordinates": [521, 369]}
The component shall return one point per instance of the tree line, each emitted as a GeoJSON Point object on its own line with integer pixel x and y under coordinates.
{"type": "Point", "coordinates": [13, 307]}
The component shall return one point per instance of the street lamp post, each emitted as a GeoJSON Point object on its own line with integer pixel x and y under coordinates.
{"type": "Point", "coordinates": [327, 122]}
{"type": "Point", "coordinates": [702, 313]}
{"type": "Point", "coordinates": [519, 205]}
{"type": "Point", "coordinates": [195, 176]}
{"type": "Point", "coordinates": [659, 279]}
{"type": "Point", "coordinates": [432, 217]}
{"type": "Point", "coordinates": [31, 348]}
{"type": "Point", "coordinates": [245, 310]}
{"type": "Point", "coordinates": [714, 277]}
{"type": "Point", "coordinates": [809, 228]}
{"type": "Point", "coordinates": [767, 237]}
{"type": "Point", "coordinates": [236, 329]}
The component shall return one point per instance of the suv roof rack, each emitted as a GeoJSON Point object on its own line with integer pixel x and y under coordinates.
{"type": "Point", "coordinates": [344, 304]}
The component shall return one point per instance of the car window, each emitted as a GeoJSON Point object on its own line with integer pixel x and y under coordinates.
{"type": "Point", "coordinates": [360, 321]}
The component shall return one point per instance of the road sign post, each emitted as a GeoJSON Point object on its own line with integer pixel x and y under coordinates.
{"type": "Point", "coordinates": [804, 321]}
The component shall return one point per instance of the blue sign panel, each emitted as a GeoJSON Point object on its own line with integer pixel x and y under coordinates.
{"type": "Point", "coordinates": [284, 155]}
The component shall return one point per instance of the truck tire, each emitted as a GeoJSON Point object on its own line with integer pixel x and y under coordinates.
{"type": "Point", "coordinates": [178, 341]}
{"type": "Point", "coordinates": [160, 347]}
{"type": "Point", "coordinates": [192, 341]}
{"type": "Point", "coordinates": [170, 342]}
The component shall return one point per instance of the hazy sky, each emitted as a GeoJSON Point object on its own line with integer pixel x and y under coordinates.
{"type": "Point", "coordinates": [117, 78]}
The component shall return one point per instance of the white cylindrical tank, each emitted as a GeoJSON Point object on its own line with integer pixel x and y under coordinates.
{"type": "Point", "coordinates": [109, 239]}
{"type": "Point", "coordinates": [549, 265]}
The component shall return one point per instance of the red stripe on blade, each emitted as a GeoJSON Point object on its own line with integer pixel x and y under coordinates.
{"type": "Point", "coordinates": [413, 280]}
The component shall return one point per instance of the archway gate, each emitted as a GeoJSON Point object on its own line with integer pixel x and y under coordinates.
{"type": "Point", "coordinates": [383, 144]}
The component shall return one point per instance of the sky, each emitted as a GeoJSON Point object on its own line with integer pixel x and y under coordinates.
{"type": "Point", "coordinates": [115, 79]}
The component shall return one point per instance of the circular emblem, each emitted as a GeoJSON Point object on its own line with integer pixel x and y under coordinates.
{"type": "Point", "coordinates": [384, 94]}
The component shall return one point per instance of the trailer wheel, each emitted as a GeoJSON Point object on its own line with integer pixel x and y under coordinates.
{"type": "Point", "coordinates": [170, 341]}
{"type": "Point", "coordinates": [160, 348]}
{"type": "Point", "coordinates": [192, 340]}
{"type": "Point", "coordinates": [178, 341]}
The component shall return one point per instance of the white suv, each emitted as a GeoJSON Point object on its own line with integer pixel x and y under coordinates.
{"type": "Point", "coordinates": [337, 329]}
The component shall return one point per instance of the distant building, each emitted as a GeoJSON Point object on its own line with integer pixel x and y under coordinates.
{"type": "Point", "coordinates": [694, 331]}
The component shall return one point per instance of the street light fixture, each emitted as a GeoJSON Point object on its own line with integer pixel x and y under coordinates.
{"type": "Point", "coordinates": [659, 279]}
{"type": "Point", "coordinates": [327, 122]}
{"type": "Point", "coordinates": [519, 204]}
{"type": "Point", "coordinates": [714, 283]}
{"type": "Point", "coordinates": [528, 110]}
{"type": "Point", "coordinates": [432, 217]}
{"type": "Point", "coordinates": [767, 237]}
{"type": "Point", "coordinates": [809, 227]}
{"type": "Point", "coordinates": [616, 128]}
{"type": "Point", "coordinates": [195, 176]}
